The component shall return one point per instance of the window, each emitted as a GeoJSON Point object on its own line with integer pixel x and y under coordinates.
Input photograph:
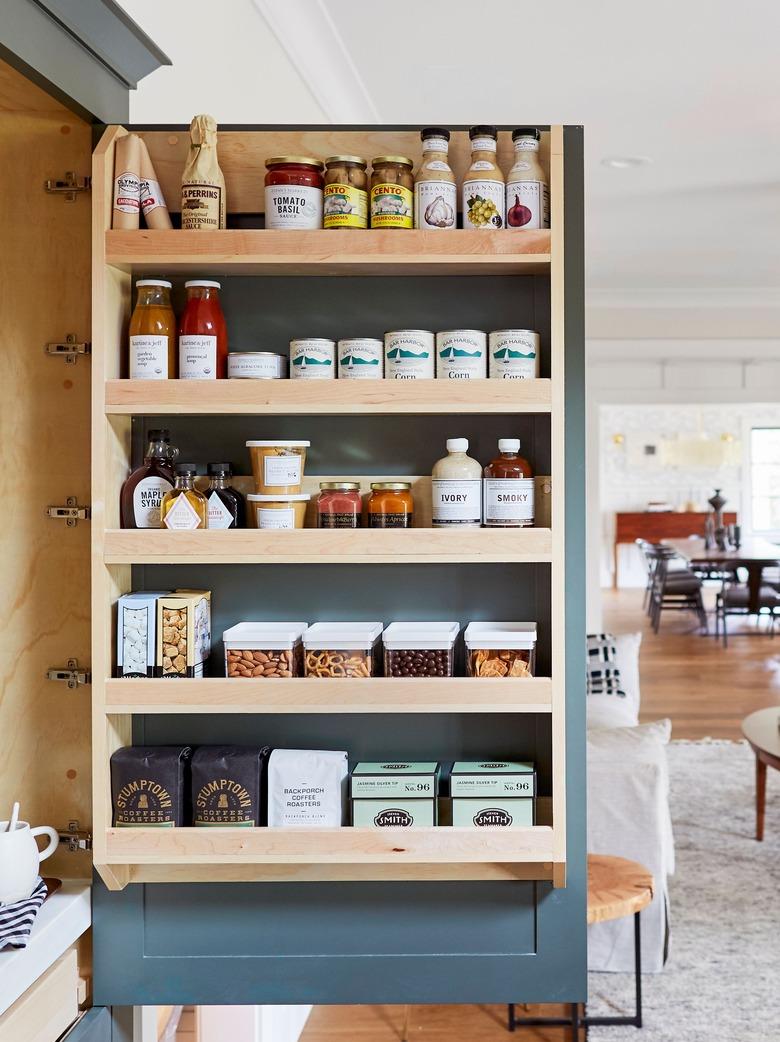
{"type": "Point", "coordinates": [765, 478]}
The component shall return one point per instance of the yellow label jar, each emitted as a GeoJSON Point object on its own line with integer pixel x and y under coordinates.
{"type": "Point", "coordinates": [392, 192]}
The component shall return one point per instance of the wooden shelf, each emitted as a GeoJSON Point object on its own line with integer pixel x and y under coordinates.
{"type": "Point", "coordinates": [308, 695]}
{"type": "Point", "coordinates": [317, 546]}
{"type": "Point", "coordinates": [370, 252]}
{"type": "Point", "coordinates": [313, 397]}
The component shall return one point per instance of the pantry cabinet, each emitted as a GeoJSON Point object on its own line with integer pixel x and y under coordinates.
{"type": "Point", "coordinates": [351, 914]}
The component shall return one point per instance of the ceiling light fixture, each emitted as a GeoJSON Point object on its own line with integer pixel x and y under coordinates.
{"type": "Point", "coordinates": [625, 162]}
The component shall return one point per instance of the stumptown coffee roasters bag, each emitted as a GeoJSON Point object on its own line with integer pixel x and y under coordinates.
{"type": "Point", "coordinates": [307, 788]}
{"type": "Point", "coordinates": [228, 784]}
{"type": "Point", "coordinates": [149, 786]}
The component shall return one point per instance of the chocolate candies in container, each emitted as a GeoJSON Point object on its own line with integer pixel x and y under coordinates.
{"type": "Point", "coordinates": [420, 649]}
{"type": "Point", "coordinates": [342, 649]}
{"type": "Point", "coordinates": [264, 649]}
{"type": "Point", "coordinates": [500, 649]}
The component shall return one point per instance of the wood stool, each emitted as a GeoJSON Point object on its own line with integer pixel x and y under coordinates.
{"type": "Point", "coordinates": [617, 887]}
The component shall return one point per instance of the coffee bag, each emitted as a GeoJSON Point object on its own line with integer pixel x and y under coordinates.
{"type": "Point", "coordinates": [228, 785]}
{"type": "Point", "coordinates": [148, 785]}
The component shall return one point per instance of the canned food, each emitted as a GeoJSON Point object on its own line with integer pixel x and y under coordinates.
{"type": "Point", "coordinates": [313, 359]}
{"type": "Point", "coordinates": [461, 354]}
{"type": "Point", "coordinates": [256, 365]}
{"type": "Point", "coordinates": [409, 354]}
{"type": "Point", "coordinates": [514, 354]}
{"type": "Point", "coordinates": [360, 359]}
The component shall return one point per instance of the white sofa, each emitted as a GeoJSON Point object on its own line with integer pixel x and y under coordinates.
{"type": "Point", "coordinates": [628, 812]}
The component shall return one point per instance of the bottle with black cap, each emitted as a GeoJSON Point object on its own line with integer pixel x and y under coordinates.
{"type": "Point", "coordinates": [184, 507]}
{"type": "Point", "coordinates": [527, 191]}
{"type": "Point", "coordinates": [435, 191]}
{"type": "Point", "coordinates": [226, 506]}
{"type": "Point", "coordinates": [484, 198]}
{"type": "Point", "coordinates": [142, 493]}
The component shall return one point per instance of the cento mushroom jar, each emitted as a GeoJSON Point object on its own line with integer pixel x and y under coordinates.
{"type": "Point", "coordinates": [293, 192]}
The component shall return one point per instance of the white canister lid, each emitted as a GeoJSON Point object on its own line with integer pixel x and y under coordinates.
{"type": "Point", "coordinates": [508, 444]}
{"type": "Point", "coordinates": [154, 282]}
{"type": "Point", "coordinates": [457, 444]}
{"type": "Point", "coordinates": [203, 282]}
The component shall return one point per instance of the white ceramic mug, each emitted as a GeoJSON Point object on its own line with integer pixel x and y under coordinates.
{"type": "Point", "coordinates": [20, 857]}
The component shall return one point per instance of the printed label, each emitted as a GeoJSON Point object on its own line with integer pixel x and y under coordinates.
{"type": "Point", "coordinates": [182, 516]}
{"type": "Point", "coordinates": [201, 206]}
{"type": "Point", "coordinates": [293, 206]}
{"type": "Point", "coordinates": [148, 495]}
{"type": "Point", "coordinates": [456, 502]}
{"type": "Point", "coordinates": [435, 204]}
{"type": "Point", "coordinates": [360, 359]}
{"type": "Point", "coordinates": [345, 206]}
{"type": "Point", "coordinates": [197, 357]}
{"type": "Point", "coordinates": [282, 470]}
{"type": "Point", "coordinates": [127, 192]}
{"type": "Point", "coordinates": [527, 204]}
{"type": "Point", "coordinates": [151, 196]}
{"type": "Point", "coordinates": [148, 357]}
{"type": "Point", "coordinates": [461, 356]}
{"type": "Point", "coordinates": [483, 204]}
{"type": "Point", "coordinates": [273, 517]}
{"type": "Point", "coordinates": [509, 502]}
{"type": "Point", "coordinates": [218, 515]}
{"type": "Point", "coordinates": [392, 206]}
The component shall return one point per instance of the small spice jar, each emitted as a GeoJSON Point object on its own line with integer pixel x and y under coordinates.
{"type": "Point", "coordinates": [345, 202]}
{"type": "Point", "coordinates": [392, 192]}
{"type": "Point", "coordinates": [390, 505]}
{"type": "Point", "coordinates": [293, 192]}
{"type": "Point", "coordinates": [339, 505]}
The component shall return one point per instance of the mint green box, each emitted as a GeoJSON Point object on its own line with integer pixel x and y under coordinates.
{"type": "Point", "coordinates": [497, 813]}
{"type": "Point", "coordinates": [394, 794]}
{"type": "Point", "coordinates": [493, 778]}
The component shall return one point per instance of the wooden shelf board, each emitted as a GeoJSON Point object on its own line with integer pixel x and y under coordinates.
{"type": "Point", "coordinates": [317, 546]}
{"type": "Point", "coordinates": [309, 695]}
{"type": "Point", "coordinates": [320, 397]}
{"type": "Point", "coordinates": [319, 252]}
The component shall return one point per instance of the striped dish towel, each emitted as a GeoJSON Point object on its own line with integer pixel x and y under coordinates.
{"type": "Point", "coordinates": [16, 920]}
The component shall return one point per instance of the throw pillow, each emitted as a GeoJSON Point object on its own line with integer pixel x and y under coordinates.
{"type": "Point", "coordinates": [613, 679]}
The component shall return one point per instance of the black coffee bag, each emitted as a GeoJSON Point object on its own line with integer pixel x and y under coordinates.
{"type": "Point", "coordinates": [228, 785]}
{"type": "Point", "coordinates": [148, 785]}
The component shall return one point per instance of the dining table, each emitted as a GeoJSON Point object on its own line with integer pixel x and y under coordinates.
{"type": "Point", "coordinates": [754, 555]}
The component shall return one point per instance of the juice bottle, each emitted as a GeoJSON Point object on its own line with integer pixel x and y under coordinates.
{"type": "Point", "coordinates": [509, 488]}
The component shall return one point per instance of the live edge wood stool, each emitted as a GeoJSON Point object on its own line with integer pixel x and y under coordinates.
{"type": "Point", "coordinates": [617, 887]}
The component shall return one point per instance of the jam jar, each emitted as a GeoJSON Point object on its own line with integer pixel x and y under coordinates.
{"type": "Point", "coordinates": [339, 505]}
{"type": "Point", "coordinates": [293, 192]}
{"type": "Point", "coordinates": [390, 505]}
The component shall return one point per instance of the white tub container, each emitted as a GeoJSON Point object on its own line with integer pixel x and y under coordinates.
{"type": "Point", "coordinates": [313, 359]}
{"type": "Point", "coordinates": [461, 354]}
{"type": "Point", "coordinates": [514, 354]}
{"type": "Point", "coordinates": [361, 358]}
{"type": "Point", "coordinates": [409, 354]}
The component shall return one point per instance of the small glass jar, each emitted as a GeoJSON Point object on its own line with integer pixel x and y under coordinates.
{"type": "Point", "coordinates": [390, 505]}
{"type": "Point", "coordinates": [339, 505]}
{"type": "Point", "coordinates": [345, 203]}
{"type": "Point", "coordinates": [293, 192]}
{"type": "Point", "coordinates": [392, 192]}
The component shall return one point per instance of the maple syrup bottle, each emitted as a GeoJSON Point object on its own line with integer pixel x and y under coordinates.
{"type": "Point", "coordinates": [142, 494]}
{"type": "Point", "coordinates": [226, 506]}
{"type": "Point", "coordinates": [508, 488]}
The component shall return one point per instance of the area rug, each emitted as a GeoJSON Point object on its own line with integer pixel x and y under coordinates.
{"type": "Point", "coordinates": [722, 980]}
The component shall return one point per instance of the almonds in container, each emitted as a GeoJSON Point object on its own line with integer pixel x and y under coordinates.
{"type": "Point", "coordinates": [342, 649]}
{"type": "Point", "coordinates": [264, 650]}
{"type": "Point", "coordinates": [500, 649]}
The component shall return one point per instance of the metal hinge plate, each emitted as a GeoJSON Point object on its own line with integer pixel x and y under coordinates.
{"type": "Point", "coordinates": [74, 838]}
{"type": "Point", "coordinates": [70, 186]}
{"type": "Point", "coordinates": [70, 513]}
{"type": "Point", "coordinates": [70, 675]}
{"type": "Point", "coordinates": [69, 349]}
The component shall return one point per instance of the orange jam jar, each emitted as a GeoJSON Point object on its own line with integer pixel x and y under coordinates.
{"type": "Point", "coordinates": [390, 505]}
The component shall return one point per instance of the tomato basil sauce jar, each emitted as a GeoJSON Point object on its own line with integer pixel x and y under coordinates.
{"type": "Point", "coordinates": [293, 192]}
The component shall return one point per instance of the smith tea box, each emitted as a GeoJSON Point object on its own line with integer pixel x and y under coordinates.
{"type": "Point", "coordinates": [183, 633]}
{"type": "Point", "coordinates": [492, 794]}
{"type": "Point", "coordinates": [136, 622]}
{"type": "Point", "coordinates": [394, 794]}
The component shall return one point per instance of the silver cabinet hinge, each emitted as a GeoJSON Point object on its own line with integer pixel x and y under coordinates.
{"type": "Point", "coordinates": [74, 838]}
{"type": "Point", "coordinates": [70, 186]}
{"type": "Point", "coordinates": [69, 349]}
{"type": "Point", "coordinates": [71, 513]}
{"type": "Point", "coordinates": [70, 674]}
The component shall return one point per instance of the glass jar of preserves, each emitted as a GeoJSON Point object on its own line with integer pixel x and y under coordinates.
{"type": "Point", "coordinates": [339, 505]}
{"type": "Point", "coordinates": [392, 192]}
{"type": "Point", "coordinates": [345, 202]}
{"type": "Point", "coordinates": [293, 192]}
{"type": "Point", "coordinates": [153, 332]}
{"type": "Point", "coordinates": [390, 505]}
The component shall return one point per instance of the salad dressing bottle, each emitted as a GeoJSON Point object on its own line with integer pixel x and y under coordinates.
{"type": "Point", "coordinates": [456, 488]}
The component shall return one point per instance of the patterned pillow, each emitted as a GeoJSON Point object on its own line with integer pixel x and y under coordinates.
{"type": "Point", "coordinates": [603, 675]}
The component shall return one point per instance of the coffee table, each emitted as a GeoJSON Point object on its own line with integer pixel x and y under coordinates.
{"type": "Point", "coordinates": [762, 730]}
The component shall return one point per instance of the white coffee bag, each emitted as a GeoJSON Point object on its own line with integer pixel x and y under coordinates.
{"type": "Point", "coordinates": [307, 788]}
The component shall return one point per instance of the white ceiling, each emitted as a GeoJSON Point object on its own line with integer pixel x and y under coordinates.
{"type": "Point", "coordinates": [692, 85]}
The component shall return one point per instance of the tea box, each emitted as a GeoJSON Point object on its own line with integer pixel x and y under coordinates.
{"type": "Point", "coordinates": [395, 794]}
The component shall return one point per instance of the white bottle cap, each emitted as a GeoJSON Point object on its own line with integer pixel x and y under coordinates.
{"type": "Point", "coordinates": [508, 444]}
{"type": "Point", "coordinates": [457, 444]}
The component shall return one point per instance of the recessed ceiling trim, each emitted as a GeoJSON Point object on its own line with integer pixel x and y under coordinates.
{"type": "Point", "coordinates": [306, 31]}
